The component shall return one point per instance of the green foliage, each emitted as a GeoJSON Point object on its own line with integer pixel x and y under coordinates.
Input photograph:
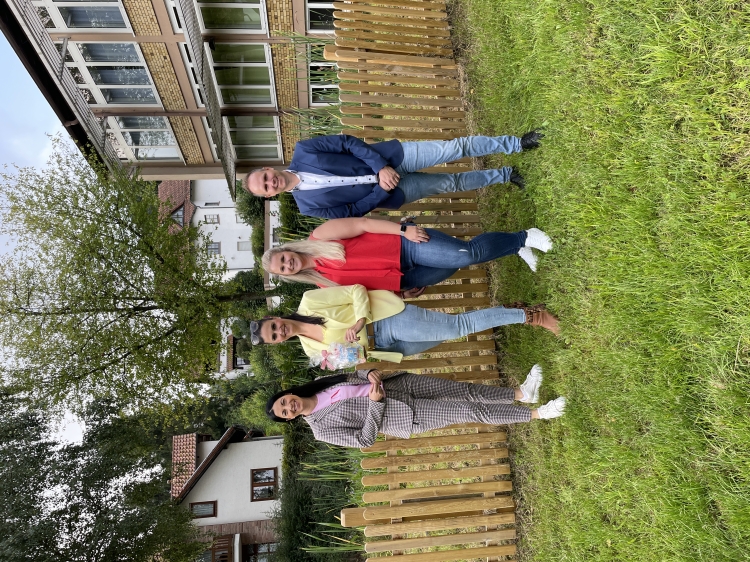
{"type": "Point", "coordinates": [258, 239]}
{"type": "Point", "coordinates": [642, 184]}
{"type": "Point", "coordinates": [251, 209]}
{"type": "Point", "coordinates": [105, 499]}
{"type": "Point", "coordinates": [102, 295]}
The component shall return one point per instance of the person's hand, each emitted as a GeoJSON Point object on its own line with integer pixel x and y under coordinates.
{"type": "Point", "coordinates": [388, 178]}
{"type": "Point", "coordinates": [412, 293]}
{"type": "Point", "coordinates": [377, 393]}
{"type": "Point", "coordinates": [352, 333]}
{"type": "Point", "coordinates": [375, 376]}
{"type": "Point", "coordinates": [416, 234]}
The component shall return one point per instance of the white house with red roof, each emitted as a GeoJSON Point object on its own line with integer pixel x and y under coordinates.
{"type": "Point", "coordinates": [230, 485]}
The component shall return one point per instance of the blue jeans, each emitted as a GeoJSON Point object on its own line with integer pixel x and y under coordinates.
{"type": "Point", "coordinates": [415, 329]}
{"type": "Point", "coordinates": [428, 263]}
{"type": "Point", "coordinates": [424, 154]}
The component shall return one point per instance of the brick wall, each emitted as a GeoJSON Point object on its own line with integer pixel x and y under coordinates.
{"type": "Point", "coordinates": [177, 192]}
{"type": "Point", "coordinates": [184, 459]}
{"type": "Point", "coordinates": [142, 17]}
{"type": "Point", "coordinates": [160, 65]}
{"type": "Point", "coordinates": [284, 57]}
{"type": "Point", "coordinates": [280, 17]}
{"type": "Point", "coordinates": [251, 532]}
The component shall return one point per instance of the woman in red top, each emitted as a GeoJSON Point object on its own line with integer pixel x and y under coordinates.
{"type": "Point", "coordinates": [397, 257]}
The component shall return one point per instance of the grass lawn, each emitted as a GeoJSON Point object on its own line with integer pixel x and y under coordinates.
{"type": "Point", "coordinates": [642, 183]}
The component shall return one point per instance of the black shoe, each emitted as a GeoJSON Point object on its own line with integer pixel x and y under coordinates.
{"type": "Point", "coordinates": [517, 179]}
{"type": "Point", "coordinates": [531, 139]}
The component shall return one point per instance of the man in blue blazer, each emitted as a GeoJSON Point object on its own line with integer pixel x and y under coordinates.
{"type": "Point", "coordinates": [340, 176]}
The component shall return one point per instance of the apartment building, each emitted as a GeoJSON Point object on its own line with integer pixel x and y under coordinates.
{"type": "Point", "coordinates": [184, 89]}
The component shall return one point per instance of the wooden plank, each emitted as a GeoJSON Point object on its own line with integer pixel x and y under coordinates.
{"type": "Point", "coordinates": [437, 441]}
{"type": "Point", "coordinates": [394, 38]}
{"type": "Point", "coordinates": [440, 219]}
{"type": "Point", "coordinates": [439, 491]}
{"type": "Point", "coordinates": [426, 4]}
{"type": "Point", "coordinates": [438, 524]}
{"type": "Point", "coordinates": [478, 273]}
{"type": "Point", "coordinates": [416, 509]}
{"type": "Point", "coordinates": [401, 112]}
{"type": "Point", "coordinates": [405, 28]}
{"type": "Point", "coordinates": [438, 14]}
{"type": "Point", "coordinates": [410, 364]}
{"type": "Point", "coordinates": [397, 69]}
{"type": "Point", "coordinates": [451, 303]}
{"type": "Point", "coordinates": [397, 79]}
{"type": "Point", "coordinates": [454, 288]}
{"type": "Point", "coordinates": [381, 58]}
{"type": "Point", "coordinates": [431, 458]}
{"type": "Point", "coordinates": [457, 554]}
{"type": "Point", "coordinates": [392, 48]}
{"type": "Point", "coordinates": [403, 134]}
{"type": "Point", "coordinates": [441, 474]}
{"type": "Point", "coordinates": [394, 100]}
{"type": "Point", "coordinates": [409, 123]}
{"type": "Point", "coordinates": [441, 540]}
{"type": "Point", "coordinates": [484, 345]}
{"type": "Point", "coordinates": [439, 207]}
{"type": "Point", "coordinates": [403, 90]}
{"type": "Point", "coordinates": [411, 22]}
{"type": "Point", "coordinates": [354, 517]}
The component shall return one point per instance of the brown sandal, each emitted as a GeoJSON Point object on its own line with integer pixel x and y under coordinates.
{"type": "Point", "coordinates": [539, 316]}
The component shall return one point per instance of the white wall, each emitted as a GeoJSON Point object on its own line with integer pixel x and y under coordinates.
{"type": "Point", "coordinates": [227, 480]}
{"type": "Point", "coordinates": [229, 231]}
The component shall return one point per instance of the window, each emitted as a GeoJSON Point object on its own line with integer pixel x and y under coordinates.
{"type": "Point", "coordinates": [322, 77]}
{"type": "Point", "coordinates": [178, 215]}
{"type": "Point", "coordinates": [243, 73]}
{"type": "Point", "coordinates": [320, 16]}
{"type": "Point", "coordinates": [244, 15]}
{"type": "Point", "coordinates": [212, 204]}
{"type": "Point", "coordinates": [92, 17]}
{"type": "Point", "coordinates": [112, 73]}
{"type": "Point", "coordinates": [263, 484]}
{"type": "Point", "coordinates": [258, 552]}
{"type": "Point", "coordinates": [203, 509]}
{"type": "Point", "coordinates": [238, 219]}
{"type": "Point", "coordinates": [144, 138]}
{"type": "Point", "coordinates": [255, 137]}
{"type": "Point", "coordinates": [244, 246]}
{"type": "Point", "coordinates": [214, 248]}
{"type": "Point", "coordinates": [211, 219]}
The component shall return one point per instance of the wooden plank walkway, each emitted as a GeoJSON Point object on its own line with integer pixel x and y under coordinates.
{"type": "Point", "coordinates": [443, 496]}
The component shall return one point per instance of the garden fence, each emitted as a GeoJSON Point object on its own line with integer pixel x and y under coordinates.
{"type": "Point", "coordinates": [445, 495]}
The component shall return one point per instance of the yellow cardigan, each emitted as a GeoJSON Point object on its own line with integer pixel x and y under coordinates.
{"type": "Point", "coordinates": [342, 307]}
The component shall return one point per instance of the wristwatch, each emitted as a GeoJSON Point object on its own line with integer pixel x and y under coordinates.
{"type": "Point", "coordinates": [403, 229]}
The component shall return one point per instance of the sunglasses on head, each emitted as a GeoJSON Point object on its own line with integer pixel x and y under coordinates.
{"type": "Point", "coordinates": [255, 332]}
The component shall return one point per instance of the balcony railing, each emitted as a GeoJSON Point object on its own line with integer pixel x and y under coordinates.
{"type": "Point", "coordinates": [38, 34]}
{"type": "Point", "coordinates": [220, 133]}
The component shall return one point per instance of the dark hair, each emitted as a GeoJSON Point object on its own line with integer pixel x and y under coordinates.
{"type": "Point", "coordinates": [303, 391]}
{"type": "Point", "coordinates": [255, 327]}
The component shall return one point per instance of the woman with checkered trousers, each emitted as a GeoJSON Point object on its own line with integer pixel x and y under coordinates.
{"type": "Point", "coordinates": [351, 409]}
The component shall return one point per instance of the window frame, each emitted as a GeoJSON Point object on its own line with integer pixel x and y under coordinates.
{"type": "Point", "coordinates": [271, 78]}
{"type": "Point", "coordinates": [214, 504]}
{"type": "Point", "coordinates": [209, 218]}
{"type": "Point", "coordinates": [214, 248]}
{"type": "Point", "coordinates": [56, 16]}
{"type": "Point", "coordinates": [254, 485]}
{"type": "Point", "coordinates": [261, 5]}
{"type": "Point", "coordinates": [276, 128]}
{"type": "Point", "coordinates": [126, 151]}
{"type": "Point", "coordinates": [307, 17]}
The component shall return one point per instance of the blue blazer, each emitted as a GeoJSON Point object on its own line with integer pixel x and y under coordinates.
{"type": "Point", "coordinates": [344, 155]}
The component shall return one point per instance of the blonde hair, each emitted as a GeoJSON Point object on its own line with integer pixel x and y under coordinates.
{"type": "Point", "coordinates": [316, 249]}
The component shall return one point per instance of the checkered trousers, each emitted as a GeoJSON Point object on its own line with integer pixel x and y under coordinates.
{"type": "Point", "coordinates": [438, 402]}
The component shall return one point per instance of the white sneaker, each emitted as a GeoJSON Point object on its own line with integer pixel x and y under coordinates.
{"type": "Point", "coordinates": [538, 239]}
{"type": "Point", "coordinates": [552, 409]}
{"type": "Point", "coordinates": [530, 386]}
{"type": "Point", "coordinates": [528, 256]}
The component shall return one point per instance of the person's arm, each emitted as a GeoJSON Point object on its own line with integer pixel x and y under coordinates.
{"type": "Point", "coordinates": [320, 300]}
{"type": "Point", "coordinates": [363, 436]}
{"type": "Point", "coordinates": [359, 208]}
{"type": "Point", "coordinates": [342, 229]}
{"type": "Point", "coordinates": [344, 144]}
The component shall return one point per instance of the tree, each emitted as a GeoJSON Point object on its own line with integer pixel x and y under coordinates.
{"type": "Point", "coordinates": [251, 209]}
{"type": "Point", "coordinates": [103, 294]}
{"type": "Point", "coordinates": [103, 500]}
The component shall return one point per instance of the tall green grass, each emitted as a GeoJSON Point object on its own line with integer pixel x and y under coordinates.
{"type": "Point", "coordinates": [642, 183]}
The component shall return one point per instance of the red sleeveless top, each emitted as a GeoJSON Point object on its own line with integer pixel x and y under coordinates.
{"type": "Point", "coordinates": [372, 260]}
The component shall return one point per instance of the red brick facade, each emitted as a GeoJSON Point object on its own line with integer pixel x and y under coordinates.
{"type": "Point", "coordinates": [177, 192]}
{"type": "Point", "coordinates": [184, 459]}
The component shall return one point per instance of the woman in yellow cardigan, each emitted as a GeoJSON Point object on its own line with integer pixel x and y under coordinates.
{"type": "Point", "coordinates": [382, 323]}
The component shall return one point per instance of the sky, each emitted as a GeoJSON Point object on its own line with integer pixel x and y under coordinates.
{"type": "Point", "coordinates": [25, 121]}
